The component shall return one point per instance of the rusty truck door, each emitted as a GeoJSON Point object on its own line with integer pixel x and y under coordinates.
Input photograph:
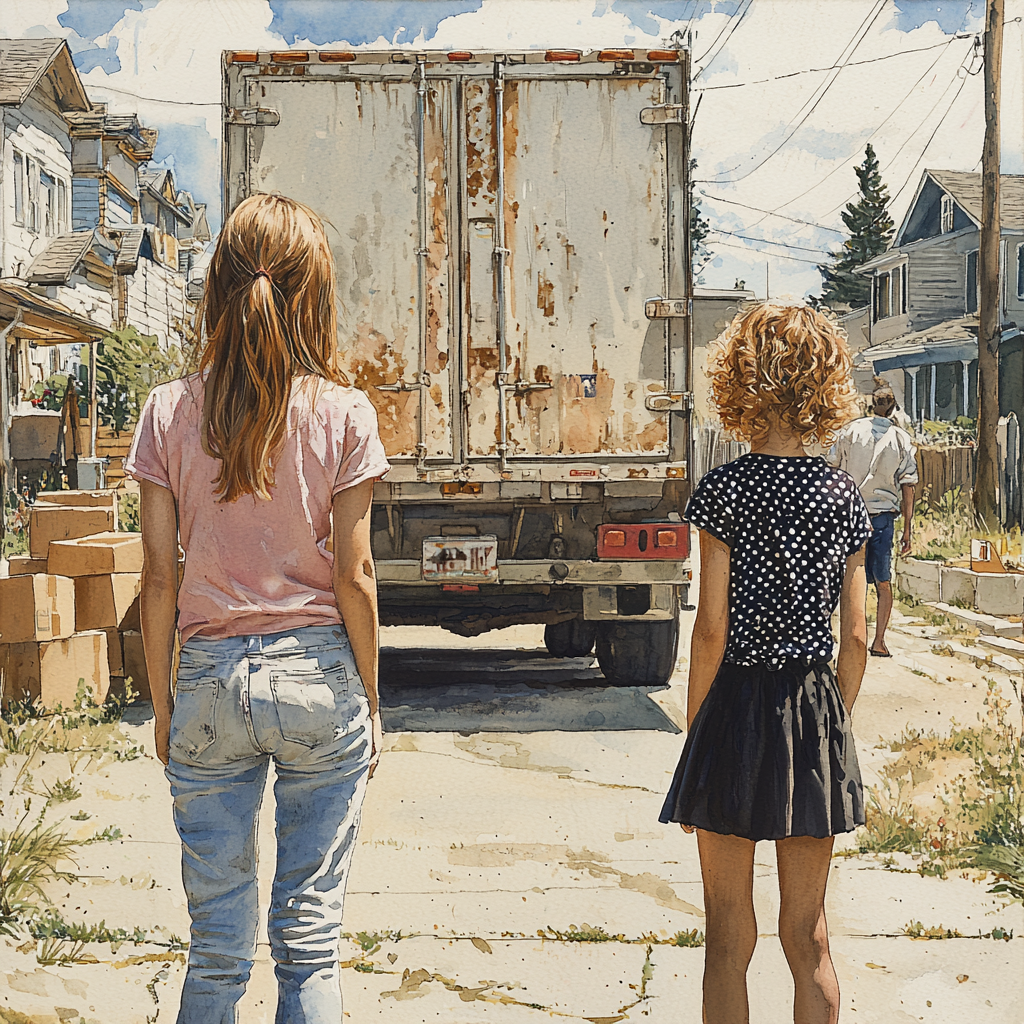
{"type": "Point", "coordinates": [370, 154]}
{"type": "Point", "coordinates": [582, 186]}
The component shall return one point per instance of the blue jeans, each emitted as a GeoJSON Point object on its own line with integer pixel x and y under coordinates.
{"type": "Point", "coordinates": [878, 557]}
{"type": "Point", "coordinates": [296, 697]}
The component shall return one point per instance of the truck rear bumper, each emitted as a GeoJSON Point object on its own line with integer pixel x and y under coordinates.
{"type": "Point", "coordinates": [560, 572]}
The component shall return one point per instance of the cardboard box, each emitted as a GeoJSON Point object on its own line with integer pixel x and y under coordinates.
{"type": "Point", "coordinates": [135, 664]}
{"type": "Point", "coordinates": [51, 671]}
{"type": "Point", "coordinates": [81, 499]}
{"type": "Point", "coordinates": [97, 555]}
{"type": "Point", "coordinates": [105, 602]}
{"type": "Point", "coordinates": [48, 523]}
{"type": "Point", "coordinates": [25, 565]}
{"type": "Point", "coordinates": [37, 607]}
{"type": "Point", "coordinates": [115, 656]}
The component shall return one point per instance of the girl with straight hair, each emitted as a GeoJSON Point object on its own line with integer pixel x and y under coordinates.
{"type": "Point", "coordinates": [769, 752]}
{"type": "Point", "coordinates": [262, 464]}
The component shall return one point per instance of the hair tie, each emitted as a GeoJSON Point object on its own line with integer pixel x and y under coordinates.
{"type": "Point", "coordinates": [263, 272]}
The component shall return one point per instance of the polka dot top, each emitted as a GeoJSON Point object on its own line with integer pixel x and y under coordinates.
{"type": "Point", "coordinates": [791, 524]}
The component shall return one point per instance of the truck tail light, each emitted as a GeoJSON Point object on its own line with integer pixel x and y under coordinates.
{"type": "Point", "coordinates": [290, 57]}
{"type": "Point", "coordinates": [663, 56]}
{"type": "Point", "coordinates": [556, 55]}
{"type": "Point", "coordinates": [336, 57]}
{"type": "Point", "coordinates": [643, 541]}
{"type": "Point", "coordinates": [459, 55]}
{"type": "Point", "coordinates": [461, 488]}
{"type": "Point", "coordinates": [615, 55]}
{"type": "Point", "coordinates": [244, 57]}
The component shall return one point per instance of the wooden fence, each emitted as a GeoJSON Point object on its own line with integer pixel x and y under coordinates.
{"type": "Point", "coordinates": [944, 470]}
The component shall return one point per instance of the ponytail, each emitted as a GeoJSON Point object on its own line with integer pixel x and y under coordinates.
{"type": "Point", "coordinates": [269, 314]}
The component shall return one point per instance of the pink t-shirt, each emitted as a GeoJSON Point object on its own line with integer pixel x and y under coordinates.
{"type": "Point", "coordinates": [255, 566]}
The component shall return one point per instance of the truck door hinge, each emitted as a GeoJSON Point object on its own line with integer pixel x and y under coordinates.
{"type": "Point", "coordinates": [252, 117]}
{"type": "Point", "coordinates": [662, 309]}
{"type": "Point", "coordinates": [407, 385]}
{"type": "Point", "coordinates": [670, 401]}
{"type": "Point", "coordinates": [666, 113]}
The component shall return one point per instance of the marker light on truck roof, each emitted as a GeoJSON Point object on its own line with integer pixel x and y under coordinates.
{"type": "Point", "coordinates": [336, 57]}
{"type": "Point", "coordinates": [555, 55]}
{"type": "Point", "coordinates": [615, 539]}
{"type": "Point", "coordinates": [663, 56]}
{"type": "Point", "coordinates": [460, 55]}
{"type": "Point", "coordinates": [290, 57]}
{"type": "Point", "coordinates": [615, 55]}
{"type": "Point", "coordinates": [245, 57]}
{"type": "Point", "coordinates": [665, 539]}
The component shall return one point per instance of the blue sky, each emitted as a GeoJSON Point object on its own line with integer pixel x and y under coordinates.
{"type": "Point", "coordinates": [776, 136]}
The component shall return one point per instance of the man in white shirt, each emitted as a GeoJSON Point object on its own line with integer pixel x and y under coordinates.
{"type": "Point", "coordinates": [881, 458]}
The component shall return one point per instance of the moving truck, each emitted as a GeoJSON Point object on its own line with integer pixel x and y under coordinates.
{"type": "Point", "coordinates": [514, 295]}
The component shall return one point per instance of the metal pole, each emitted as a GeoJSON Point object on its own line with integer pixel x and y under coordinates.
{"type": "Point", "coordinates": [422, 379]}
{"type": "Point", "coordinates": [92, 400]}
{"type": "Point", "coordinates": [500, 252]}
{"type": "Point", "coordinates": [986, 484]}
{"type": "Point", "coordinates": [6, 464]}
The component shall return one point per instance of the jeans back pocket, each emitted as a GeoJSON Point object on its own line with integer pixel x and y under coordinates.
{"type": "Point", "coordinates": [312, 704]}
{"type": "Point", "coordinates": [193, 721]}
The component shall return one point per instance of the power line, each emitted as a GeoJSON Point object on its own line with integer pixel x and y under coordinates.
{"type": "Point", "coordinates": [895, 109]}
{"type": "Point", "coordinates": [812, 71]}
{"type": "Point", "coordinates": [762, 252]}
{"type": "Point", "coordinates": [731, 25]}
{"type": "Point", "coordinates": [149, 99]}
{"type": "Point", "coordinates": [769, 241]}
{"type": "Point", "coordinates": [771, 213]}
{"type": "Point", "coordinates": [817, 97]}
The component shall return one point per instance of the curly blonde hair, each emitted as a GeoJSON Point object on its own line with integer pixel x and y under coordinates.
{"type": "Point", "coordinates": [783, 364]}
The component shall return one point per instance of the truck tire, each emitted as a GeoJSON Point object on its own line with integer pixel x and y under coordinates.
{"type": "Point", "coordinates": [573, 638]}
{"type": "Point", "coordinates": [638, 653]}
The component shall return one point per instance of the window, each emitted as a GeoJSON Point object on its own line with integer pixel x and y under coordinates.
{"type": "Point", "coordinates": [48, 203]}
{"type": "Point", "coordinates": [947, 214]}
{"type": "Point", "coordinates": [891, 293]}
{"type": "Point", "coordinates": [32, 219]}
{"type": "Point", "coordinates": [972, 282]}
{"type": "Point", "coordinates": [19, 188]}
{"type": "Point", "coordinates": [62, 206]}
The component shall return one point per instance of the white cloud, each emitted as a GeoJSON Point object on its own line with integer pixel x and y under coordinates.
{"type": "Point", "coordinates": [25, 18]}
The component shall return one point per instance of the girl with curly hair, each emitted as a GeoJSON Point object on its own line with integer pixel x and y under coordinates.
{"type": "Point", "coordinates": [769, 752]}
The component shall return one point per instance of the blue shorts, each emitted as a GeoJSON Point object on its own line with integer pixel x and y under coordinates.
{"type": "Point", "coordinates": [878, 559]}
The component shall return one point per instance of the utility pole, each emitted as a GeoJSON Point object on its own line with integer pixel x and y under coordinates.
{"type": "Point", "coordinates": [989, 328]}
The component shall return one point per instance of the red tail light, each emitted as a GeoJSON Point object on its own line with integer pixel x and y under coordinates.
{"type": "Point", "coordinates": [643, 541]}
{"type": "Point", "coordinates": [460, 55]}
{"type": "Point", "coordinates": [663, 56]}
{"type": "Point", "coordinates": [336, 57]}
{"type": "Point", "coordinates": [555, 55]}
{"type": "Point", "coordinates": [615, 55]}
{"type": "Point", "coordinates": [290, 57]}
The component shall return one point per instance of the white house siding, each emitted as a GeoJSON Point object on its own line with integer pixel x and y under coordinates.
{"type": "Point", "coordinates": [156, 299]}
{"type": "Point", "coordinates": [36, 129]}
{"type": "Point", "coordinates": [85, 203]}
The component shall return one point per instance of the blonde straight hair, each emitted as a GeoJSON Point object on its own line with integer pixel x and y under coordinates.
{"type": "Point", "coordinates": [268, 316]}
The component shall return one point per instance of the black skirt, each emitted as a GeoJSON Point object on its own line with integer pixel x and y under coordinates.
{"type": "Point", "coordinates": [770, 755]}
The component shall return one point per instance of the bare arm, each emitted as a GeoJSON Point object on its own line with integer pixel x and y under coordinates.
{"type": "Point", "coordinates": [355, 589]}
{"type": "Point", "coordinates": [159, 601]}
{"type": "Point", "coordinates": [907, 510]}
{"type": "Point", "coordinates": [711, 626]}
{"type": "Point", "coordinates": [853, 630]}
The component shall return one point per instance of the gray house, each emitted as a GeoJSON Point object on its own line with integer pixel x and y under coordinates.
{"type": "Point", "coordinates": [920, 330]}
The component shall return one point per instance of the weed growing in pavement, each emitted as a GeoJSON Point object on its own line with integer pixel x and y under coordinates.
{"type": "Point", "coordinates": [586, 933]}
{"type": "Point", "coordinates": [687, 939]}
{"type": "Point", "coordinates": [81, 816]}
{"type": "Point", "coordinates": [62, 792]}
{"type": "Point", "coordinates": [370, 942]}
{"type": "Point", "coordinates": [30, 856]}
{"type": "Point", "coordinates": [916, 930]}
{"type": "Point", "coordinates": [109, 835]}
{"type": "Point", "coordinates": [86, 729]}
{"type": "Point", "coordinates": [982, 824]}
{"type": "Point", "coordinates": [52, 925]}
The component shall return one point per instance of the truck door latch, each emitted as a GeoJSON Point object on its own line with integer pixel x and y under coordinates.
{"type": "Point", "coordinates": [666, 113]}
{"type": "Point", "coordinates": [252, 117]}
{"type": "Point", "coordinates": [669, 401]}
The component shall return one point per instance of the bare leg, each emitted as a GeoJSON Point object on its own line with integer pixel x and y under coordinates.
{"type": "Point", "coordinates": [727, 868]}
{"type": "Point", "coordinates": [803, 872]}
{"type": "Point", "coordinates": [884, 591]}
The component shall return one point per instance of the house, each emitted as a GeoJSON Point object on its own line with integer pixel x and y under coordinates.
{"type": "Point", "coordinates": [920, 329]}
{"type": "Point", "coordinates": [41, 330]}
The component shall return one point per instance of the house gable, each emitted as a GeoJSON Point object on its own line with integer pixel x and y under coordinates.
{"type": "Point", "coordinates": [924, 218]}
{"type": "Point", "coordinates": [26, 64]}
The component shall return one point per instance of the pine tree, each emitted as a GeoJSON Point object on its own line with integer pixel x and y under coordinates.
{"type": "Point", "coordinates": [700, 228]}
{"type": "Point", "coordinates": [870, 228]}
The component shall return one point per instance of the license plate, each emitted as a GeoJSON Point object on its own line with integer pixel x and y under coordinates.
{"type": "Point", "coordinates": [469, 559]}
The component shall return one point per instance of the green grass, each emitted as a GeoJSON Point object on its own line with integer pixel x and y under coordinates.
{"type": "Point", "coordinates": [63, 792]}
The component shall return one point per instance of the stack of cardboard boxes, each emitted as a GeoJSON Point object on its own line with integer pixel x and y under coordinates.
{"type": "Point", "coordinates": [69, 610]}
